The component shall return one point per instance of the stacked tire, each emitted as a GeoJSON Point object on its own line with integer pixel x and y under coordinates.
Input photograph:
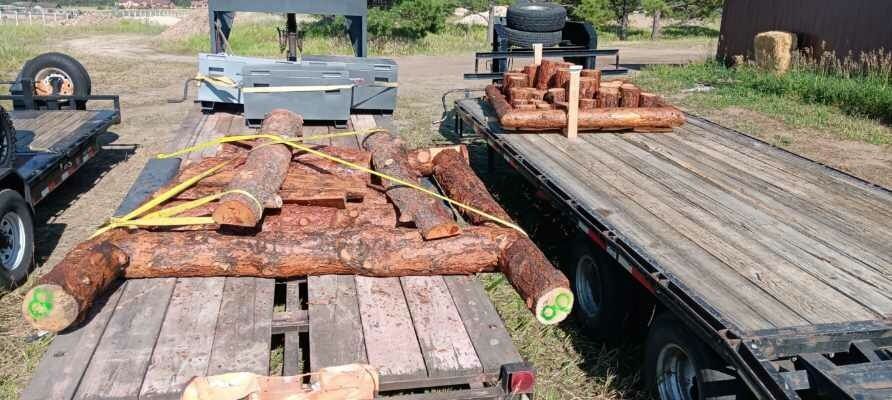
{"type": "Point", "coordinates": [529, 23]}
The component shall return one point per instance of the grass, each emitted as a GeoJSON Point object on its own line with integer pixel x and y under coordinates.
{"type": "Point", "coordinates": [260, 39]}
{"type": "Point", "coordinates": [22, 42]}
{"type": "Point", "coordinates": [850, 108]}
{"type": "Point", "coordinates": [610, 33]}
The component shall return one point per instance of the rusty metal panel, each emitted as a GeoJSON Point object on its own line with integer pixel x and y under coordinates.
{"type": "Point", "coordinates": [849, 26]}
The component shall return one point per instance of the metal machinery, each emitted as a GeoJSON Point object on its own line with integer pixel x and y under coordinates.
{"type": "Point", "coordinates": [325, 88]}
{"type": "Point", "coordinates": [579, 45]}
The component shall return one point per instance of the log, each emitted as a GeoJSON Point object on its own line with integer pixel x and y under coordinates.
{"type": "Point", "coordinates": [555, 95]}
{"type": "Point", "coordinates": [514, 80]}
{"type": "Point", "coordinates": [545, 73]}
{"type": "Point", "coordinates": [519, 95]}
{"type": "Point", "coordinates": [561, 78]}
{"type": "Point", "coordinates": [310, 219]}
{"type": "Point", "coordinates": [307, 196]}
{"type": "Point", "coordinates": [518, 102]}
{"type": "Point", "coordinates": [262, 174]}
{"type": "Point", "coordinates": [587, 104]}
{"type": "Point", "coordinates": [544, 106]}
{"type": "Point", "coordinates": [588, 88]}
{"type": "Point", "coordinates": [431, 217]}
{"type": "Point", "coordinates": [422, 160]}
{"type": "Point", "coordinates": [623, 118]}
{"type": "Point", "coordinates": [530, 71]}
{"type": "Point", "coordinates": [61, 296]}
{"type": "Point", "coordinates": [65, 294]}
{"type": "Point", "coordinates": [592, 73]}
{"type": "Point", "coordinates": [631, 95]}
{"type": "Point", "coordinates": [525, 107]}
{"type": "Point", "coordinates": [649, 100]}
{"type": "Point", "coordinates": [536, 94]}
{"type": "Point", "coordinates": [545, 290]}
{"type": "Point", "coordinates": [617, 83]}
{"type": "Point", "coordinates": [608, 97]}
{"type": "Point", "coordinates": [498, 101]}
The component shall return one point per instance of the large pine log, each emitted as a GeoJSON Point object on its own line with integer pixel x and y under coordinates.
{"type": "Point", "coordinates": [588, 87]}
{"type": "Point", "coordinates": [544, 74]}
{"type": "Point", "coordinates": [61, 296]}
{"type": "Point", "coordinates": [390, 157]}
{"type": "Point", "coordinates": [530, 71]}
{"type": "Point", "coordinates": [259, 179]}
{"type": "Point", "coordinates": [608, 97]}
{"type": "Point", "coordinates": [65, 293]}
{"type": "Point", "coordinates": [545, 290]}
{"type": "Point", "coordinates": [310, 219]}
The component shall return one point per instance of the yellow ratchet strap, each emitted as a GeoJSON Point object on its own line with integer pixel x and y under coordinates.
{"type": "Point", "coordinates": [217, 80]}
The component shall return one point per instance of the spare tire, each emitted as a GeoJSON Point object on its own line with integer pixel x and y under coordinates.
{"type": "Point", "coordinates": [57, 74]}
{"type": "Point", "coordinates": [527, 39]}
{"type": "Point", "coordinates": [537, 17]}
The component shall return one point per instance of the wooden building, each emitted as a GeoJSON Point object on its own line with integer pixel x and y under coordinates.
{"type": "Point", "coordinates": [842, 26]}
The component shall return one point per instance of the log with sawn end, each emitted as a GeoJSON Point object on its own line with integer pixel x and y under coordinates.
{"type": "Point", "coordinates": [544, 289]}
{"type": "Point", "coordinates": [390, 157]}
{"type": "Point", "coordinates": [255, 185]}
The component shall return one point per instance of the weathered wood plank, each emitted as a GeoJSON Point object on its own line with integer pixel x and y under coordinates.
{"type": "Point", "coordinates": [344, 141]}
{"type": "Point", "coordinates": [392, 345]}
{"type": "Point", "coordinates": [64, 362]}
{"type": "Point", "coordinates": [243, 332]}
{"type": "Point", "coordinates": [746, 307]}
{"type": "Point", "coordinates": [363, 122]}
{"type": "Point", "coordinates": [445, 345]}
{"type": "Point", "coordinates": [674, 194]}
{"type": "Point", "coordinates": [291, 354]}
{"type": "Point", "coordinates": [336, 332]}
{"type": "Point", "coordinates": [185, 134]}
{"type": "Point", "coordinates": [183, 349]}
{"type": "Point", "coordinates": [483, 324]}
{"type": "Point", "coordinates": [820, 250]}
{"type": "Point", "coordinates": [122, 357]}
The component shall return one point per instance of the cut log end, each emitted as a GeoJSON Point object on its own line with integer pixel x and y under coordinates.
{"type": "Point", "coordinates": [48, 307]}
{"type": "Point", "coordinates": [554, 306]}
{"type": "Point", "coordinates": [236, 213]}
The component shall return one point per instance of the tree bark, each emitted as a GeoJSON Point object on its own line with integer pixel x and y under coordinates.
{"type": "Point", "coordinates": [588, 87]}
{"type": "Point", "coordinates": [656, 26]}
{"type": "Point", "coordinates": [649, 100]}
{"type": "Point", "coordinates": [431, 217]}
{"type": "Point", "coordinates": [261, 176]}
{"type": "Point", "coordinates": [514, 80]}
{"type": "Point", "coordinates": [61, 296]}
{"type": "Point", "coordinates": [545, 73]}
{"type": "Point", "coordinates": [626, 118]}
{"type": "Point", "coordinates": [545, 290]}
{"type": "Point", "coordinates": [587, 104]}
{"type": "Point", "coordinates": [422, 160]}
{"type": "Point", "coordinates": [309, 219]}
{"type": "Point", "coordinates": [608, 97]}
{"type": "Point", "coordinates": [530, 71]}
{"type": "Point", "coordinates": [556, 95]}
{"type": "Point", "coordinates": [562, 78]}
{"type": "Point", "coordinates": [631, 95]}
{"type": "Point", "coordinates": [519, 95]}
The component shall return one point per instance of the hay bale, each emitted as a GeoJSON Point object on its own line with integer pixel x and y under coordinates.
{"type": "Point", "coordinates": [774, 50]}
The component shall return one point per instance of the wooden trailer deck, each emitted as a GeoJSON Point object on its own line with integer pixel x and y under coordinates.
{"type": "Point", "coordinates": [761, 238]}
{"type": "Point", "coordinates": [151, 336]}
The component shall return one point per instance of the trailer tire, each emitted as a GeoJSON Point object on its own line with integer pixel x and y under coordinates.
{"type": "Point", "coordinates": [526, 39]}
{"type": "Point", "coordinates": [46, 68]}
{"type": "Point", "coordinates": [536, 17]}
{"type": "Point", "coordinates": [602, 292]}
{"type": "Point", "coordinates": [16, 238]}
{"type": "Point", "coordinates": [7, 140]}
{"type": "Point", "coordinates": [677, 363]}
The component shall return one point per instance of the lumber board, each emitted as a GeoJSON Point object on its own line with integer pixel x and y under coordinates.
{"type": "Point", "coordinates": [242, 335]}
{"type": "Point", "coordinates": [64, 362]}
{"type": "Point", "coordinates": [445, 345]}
{"type": "Point", "coordinates": [670, 195]}
{"type": "Point", "coordinates": [183, 348]}
{"type": "Point", "coordinates": [391, 343]}
{"type": "Point", "coordinates": [482, 323]}
{"type": "Point", "coordinates": [122, 357]}
{"type": "Point", "coordinates": [336, 333]}
{"type": "Point", "coordinates": [291, 354]}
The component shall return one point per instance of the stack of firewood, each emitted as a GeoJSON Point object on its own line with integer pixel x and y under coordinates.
{"type": "Point", "coordinates": [289, 213]}
{"type": "Point", "coordinates": [536, 98]}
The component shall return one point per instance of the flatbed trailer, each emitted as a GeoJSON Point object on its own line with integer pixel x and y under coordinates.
{"type": "Point", "coordinates": [436, 337]}
{"type": "Point", "coordinates": [780, 265]}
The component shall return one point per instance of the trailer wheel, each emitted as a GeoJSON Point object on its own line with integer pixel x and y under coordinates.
{"type": "Point", "coordinates": [57, 74]}
{"type": "Point", "coordinates": [7, 139]}
{"type": "Point", "coordinates": [678, 365]}
{"type": "Point", "coordinates": [16, 237]}
{"type": "Point", "coordinates": [601, 289]}
{"type": "Point", "coordinates": [527, 39]}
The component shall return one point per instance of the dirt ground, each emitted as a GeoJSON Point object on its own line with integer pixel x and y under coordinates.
{"type": "Point", "coordinates": [129, 66]}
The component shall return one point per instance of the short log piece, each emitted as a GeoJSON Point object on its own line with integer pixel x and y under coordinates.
{"type": "Point", "coordinates": [630, 94]}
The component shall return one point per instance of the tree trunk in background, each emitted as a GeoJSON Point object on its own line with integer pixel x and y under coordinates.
{"type": "Point", "coordinates": [657, 25]}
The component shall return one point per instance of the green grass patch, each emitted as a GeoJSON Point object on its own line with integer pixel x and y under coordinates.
{"type": "Point", "coordinates": [260, 40]}
{"type": "Point", "coordinates": [846, 107]}
{"type": "Point", "coordinates": [610, 33]}
{"type": "Point", "coordinates": [19, 43]}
